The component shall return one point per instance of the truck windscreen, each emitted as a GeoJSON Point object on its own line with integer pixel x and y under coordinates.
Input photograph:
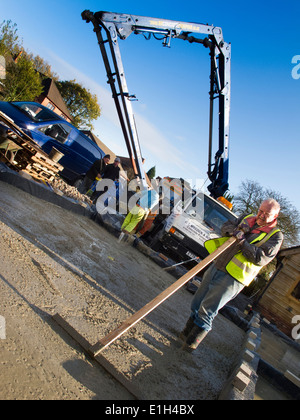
{"type": "Point", "coordinates": [204, 209]}
{"type": "Point", "coordinates": [35, 112]}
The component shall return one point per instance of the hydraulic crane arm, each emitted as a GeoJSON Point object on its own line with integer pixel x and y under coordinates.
{"type": "Point", "coordinates": [117, 25]}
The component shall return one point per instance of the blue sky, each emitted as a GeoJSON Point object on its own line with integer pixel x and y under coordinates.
{"type": "Point", "coordinates": [172, 84]}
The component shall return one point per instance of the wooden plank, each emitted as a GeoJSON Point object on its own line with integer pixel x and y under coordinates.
{"type": "Point", "coordinates": [280, 288]}
{"type": "Point", "coordinates": [281, 309]}
{"type": "Point", "coordinates": [138, 316]}
{"type": "Point", "coordinates": [290, 272]}
{"type": "Point", "coordinates": [40, 176]}
{"type": "Point", "coordinates": [39, 167]}
{"type": "Point", "coordinates": [20, 137]}
{"type": "Point", "coordinates": [45, 161]}
{"type": "Point", "coordinates": [9, 145]}
{"type": "Point", "coordinates": [84, 343]}
{"type": "Point", "coordinates": [289, 251]}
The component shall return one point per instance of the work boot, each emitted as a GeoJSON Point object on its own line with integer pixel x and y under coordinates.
{"type": "Point", "coordinates": [187, 329]}
{"type": "Point", "coordinates": [136, 241]}
{"type": "Point", "coordinates": [121, 237]}
{"type": "Point", "coordinates": [195, 337]}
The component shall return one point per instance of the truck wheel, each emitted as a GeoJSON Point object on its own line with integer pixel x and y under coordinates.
{"type": "Point", "coordinates": [155, 242]}
{"type": "Point", "coordinates": [156, 245]}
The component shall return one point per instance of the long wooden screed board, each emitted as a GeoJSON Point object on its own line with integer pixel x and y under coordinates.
{"type": "Point", "coordinates": [134, 391]}
{"type": "Point", "coordinates": [133, 320]}
{"type": "Point", "coordinates": [138, 316]}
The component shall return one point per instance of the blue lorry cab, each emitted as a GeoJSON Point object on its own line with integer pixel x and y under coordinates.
{"type": "Point", "coordinates": [49, 130]}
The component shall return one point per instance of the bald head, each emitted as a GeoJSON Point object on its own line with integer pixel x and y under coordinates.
{"type": "Point", "coordinates": [268, 212]}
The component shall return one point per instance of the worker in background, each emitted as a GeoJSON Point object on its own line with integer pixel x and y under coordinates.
{"type": "Point", "coordinates": [111, 171]}
{"type": "Point", "coordinates": [148, 200]}
{"type": "Point", "coordinates": [143, 228]}
{"type": "Point", "coordinates": [96, 171]}
{"type": "Point", "coordinates": [258, 242]}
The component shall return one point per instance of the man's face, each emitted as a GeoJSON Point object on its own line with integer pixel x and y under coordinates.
{"type": "Point", "coordinates": [266, 214]}
{"type": "Point", "coordinates": [106, 160]}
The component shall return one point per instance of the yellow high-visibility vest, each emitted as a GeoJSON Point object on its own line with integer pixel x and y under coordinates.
{"type": "Point", "coordinates": [239, 267]}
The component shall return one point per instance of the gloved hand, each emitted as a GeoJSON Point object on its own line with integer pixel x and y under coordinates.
{"type": "Point", "coordinates": [239, 235]}
{"type": "Point", "coordinates": [244, 227]}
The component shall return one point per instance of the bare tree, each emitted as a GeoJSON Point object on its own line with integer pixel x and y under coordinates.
{"type": "Point", "coordinates": [248, 198]}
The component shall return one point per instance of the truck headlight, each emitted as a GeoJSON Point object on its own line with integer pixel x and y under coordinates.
{"type": "Point", "coordinates": [177, 234]}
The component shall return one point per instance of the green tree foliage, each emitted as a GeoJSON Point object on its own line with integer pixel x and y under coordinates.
{"type": "Point", "coordinates": [82, 104]}
{"type": "Point", "coordinates": [42, 66]}
{"type": "Point", "coordinates": [22, 82]}
{"type": "Point", "coordinates": [151, 173]}
{"type": "Point", "coordinates": [23, 79]}
{"type": "Point", "coordinates": [10, 43]}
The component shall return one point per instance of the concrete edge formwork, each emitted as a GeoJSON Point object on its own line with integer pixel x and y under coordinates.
{"type": "Point", "coordinates": [241, 383]}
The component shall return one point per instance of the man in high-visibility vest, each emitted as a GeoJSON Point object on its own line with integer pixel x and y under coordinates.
{"type": "Point", "coordinates": [148, 199]}
{"type": "Point", "coordinates": [258, 242]}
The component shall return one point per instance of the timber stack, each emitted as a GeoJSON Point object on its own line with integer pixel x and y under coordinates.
{"type": "Point", "coordinates": [21, 153]}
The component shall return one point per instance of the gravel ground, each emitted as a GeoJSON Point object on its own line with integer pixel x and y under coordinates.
{"type": "Point", "coordinates": [54, 261]}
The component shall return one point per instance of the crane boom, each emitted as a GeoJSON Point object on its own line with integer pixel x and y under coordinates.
{"type": "Point", "coordinates": [109, 27]}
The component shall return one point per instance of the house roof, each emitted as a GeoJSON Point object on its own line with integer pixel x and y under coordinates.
{"type": "Point", "coordinates": [126, 162]}
{"type": "Point", "coordinates": [289, 251]}
{"type": "Point", "coordinates": [127, 165]}
{"type": "Point", "coordinates": [52, 93]}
